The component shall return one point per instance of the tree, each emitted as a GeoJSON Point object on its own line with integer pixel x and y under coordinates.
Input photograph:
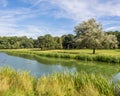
{"type": "Point", "coordinates": [117, 34]}
{"type": "Point", "coordinates": [41, 42]}
{"type": "Point", "coordinates": [68, 41]}
{"type": "Point", "coordinates": [57, 42]}
{"type": "Point", "coordinates": [25, 42]}
{"type": "Point", "coordinates": [89, 34]}
{"type": "Point", "coordinates": [46, 42]}
{"type": "Point", "coordinates": [36, 43]}
{"type": "Point", "coordinates": [110, 41]}
{"type": "Point", "coordinates": [49, 42]}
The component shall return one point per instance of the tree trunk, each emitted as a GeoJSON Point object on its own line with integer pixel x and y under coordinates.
{"type": "Point", "coordinates": [68, 46]}
{"type": "Point", "coordinates": [93, 50]}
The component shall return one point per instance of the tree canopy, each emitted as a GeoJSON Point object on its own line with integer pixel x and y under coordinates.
{"type": "Point", "coordinates": [89, 34]}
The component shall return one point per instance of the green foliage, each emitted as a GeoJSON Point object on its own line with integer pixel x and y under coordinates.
{"type": "Point", "coordinates": [49, 42]}
{"type": "Point", "coordinates": [109, 59]}
{"type": "Point", "coordinates": [68, 41]}
{"type": "Point", "coordinates": [15, 42]}
{"type": "Point", "coordinates": [117, 34]}
{"type": "Point", "coordinates": [57, 42]}
{"type": "Point", "coordinates": [84, 57]}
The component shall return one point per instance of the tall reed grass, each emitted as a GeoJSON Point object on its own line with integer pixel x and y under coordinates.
{"type": "Point", "coordinates": [14, 83]}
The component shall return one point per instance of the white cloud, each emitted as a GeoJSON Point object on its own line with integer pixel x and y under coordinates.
{"type": "Point", "coordinates": [9, 22]}
{"type": "Point", "coordinates": [113, 28]}
{"type": "Point", "coordinates": [27, 30]}
{"type": "Point", "coordinates": [84, 9]}
{"type": "Point", "coordinates": [79, 10]}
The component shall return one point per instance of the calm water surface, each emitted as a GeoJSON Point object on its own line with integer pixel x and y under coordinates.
{"type": "Point", "coordinates": [47, 66]}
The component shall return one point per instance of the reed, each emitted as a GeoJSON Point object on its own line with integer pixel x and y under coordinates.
{"type": "Point", "coordinates": [13, 83]}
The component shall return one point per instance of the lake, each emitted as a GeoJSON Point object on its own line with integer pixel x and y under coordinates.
{"type": "Point", "coordinates": [46, 66]}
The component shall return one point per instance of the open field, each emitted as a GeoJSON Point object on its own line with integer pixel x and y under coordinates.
{"type": "Point", "coordinates": [109, 56]}
{"type": "Point", "coordinates": [14, 83]}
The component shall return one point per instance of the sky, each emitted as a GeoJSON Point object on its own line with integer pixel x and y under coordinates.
{"type": "Point", "coordinates": [33, 18]}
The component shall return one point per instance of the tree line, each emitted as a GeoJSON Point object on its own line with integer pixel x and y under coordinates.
{"type": "Point", "coordinates": [46, 42]}
{"type": "Point", "coordinates": [43, 42]}
{"type": "Point", "coordinates": [88, 34]}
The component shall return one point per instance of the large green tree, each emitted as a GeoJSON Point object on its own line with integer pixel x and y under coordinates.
{"type": "Point", "coordinates": [89, 34]}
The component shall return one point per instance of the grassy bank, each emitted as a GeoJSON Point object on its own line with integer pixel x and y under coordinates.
{"type": "Point", "coordinates": [109, 56]}
{"type": "Point", "coordinates": [14, 83]}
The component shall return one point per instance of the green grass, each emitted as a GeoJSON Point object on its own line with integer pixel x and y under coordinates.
{"type": "Point", "coordinates": [109, 56]}
{"type": "Point", "coordinates": [14, 83]}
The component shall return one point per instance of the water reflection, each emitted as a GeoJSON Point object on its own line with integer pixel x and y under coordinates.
{"type": "Point", "coordinates": [43, 65]}
{"type": "Point", "coordinates": [35, 67]}
{"type": "Point", "coordinates": [116, 78]}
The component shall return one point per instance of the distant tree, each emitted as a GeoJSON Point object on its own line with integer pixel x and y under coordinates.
{"type": "Point", "coordinates": [46, 42]}
{"type": "Point", "coordinates": [3, 42]}
{"type": "Point", "coordinates": [57, 43]}
{"type": "Point", "coordinates": [68, 41]}
{"type": "Point", "coordinates": [49, 42]}
{"type": "Point", "coordinates": [117, 34]}
{"type": "Point", "coordinates": [13, 42]}
{"type": "Point", "coordinates": [26, 42]}
{"type": "Point", "coordinates": [41, 42]}
{"type": "Point", "coordinates": [36, 43]}
{"type": "Point", "coordinates": [89, 34]}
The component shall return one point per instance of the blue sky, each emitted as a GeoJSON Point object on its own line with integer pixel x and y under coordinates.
{"type": "Point", "coordinates": [34, 18]}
